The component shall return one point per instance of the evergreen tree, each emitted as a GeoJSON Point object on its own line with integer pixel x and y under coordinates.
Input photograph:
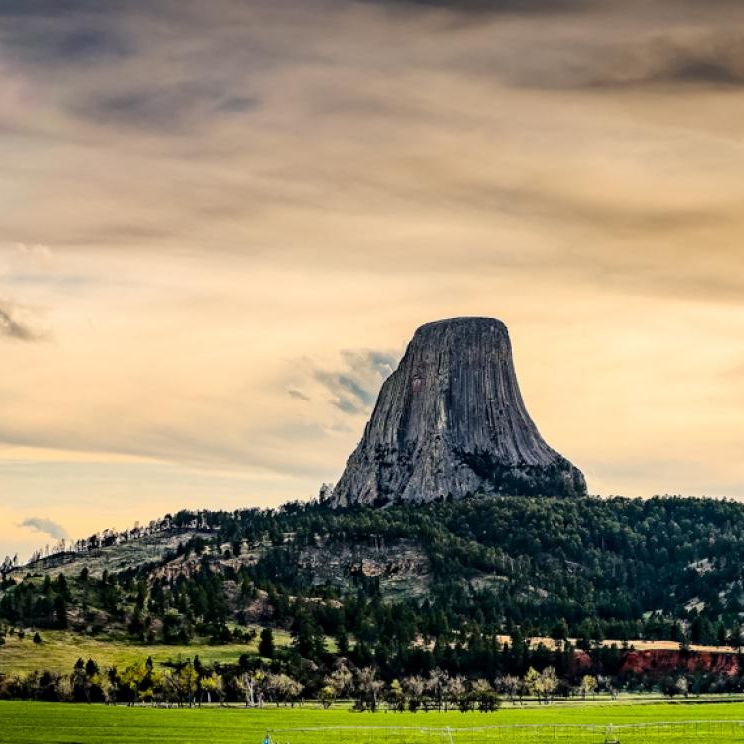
{"type": "Point", "coordinates": [266, 643]}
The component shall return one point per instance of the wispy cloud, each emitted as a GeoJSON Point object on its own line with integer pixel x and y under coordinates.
{"type": "Point", "coordinates": [46, 527]}
{"type": "Point", "coordinates": [710, 59]}
{"type": "Point", "coordinates": [297, 394]}
{"type": "Point", "coordinates": [355, 387]}
{"type": "Point", "coordinates": [14, 323]}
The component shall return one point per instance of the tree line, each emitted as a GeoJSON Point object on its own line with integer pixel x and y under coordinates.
{"type": "Point", "coordinates": [257, 683]}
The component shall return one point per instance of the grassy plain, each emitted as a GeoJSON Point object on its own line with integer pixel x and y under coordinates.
{"type": "Point", "coordinates": [59, 723]}
{"type": "Point", "coordinates": [61, 649]}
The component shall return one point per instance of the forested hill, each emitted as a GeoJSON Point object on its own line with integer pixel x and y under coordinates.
{"type": "Point", "coordinates": [665, 568]}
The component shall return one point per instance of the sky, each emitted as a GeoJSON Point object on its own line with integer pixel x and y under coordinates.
{"type": "Point", "coordinates": [221, 222]}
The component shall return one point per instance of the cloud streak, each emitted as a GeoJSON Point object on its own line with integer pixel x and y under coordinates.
{"type": "Point", "coordinates": [713, 60]}
{"type": "Point", "coordinates": [488, 7]}
{"type": "Point", "coordinates": [297, 394]}
{"type": "Point", "coordinates": [46, 526]}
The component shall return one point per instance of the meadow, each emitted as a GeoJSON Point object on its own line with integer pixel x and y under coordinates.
{"type": "Point", "coordinates": [61, 649]}
{"type": "Point", "coordinates": [633, 723]}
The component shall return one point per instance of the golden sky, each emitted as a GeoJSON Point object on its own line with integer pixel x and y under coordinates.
{"type": "Point", "coordinates": [221, 222]}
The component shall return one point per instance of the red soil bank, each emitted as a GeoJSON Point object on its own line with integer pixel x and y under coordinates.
{"type": "Point", "coordinates": [661, 662]}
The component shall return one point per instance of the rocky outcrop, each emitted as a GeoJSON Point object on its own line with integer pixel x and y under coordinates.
{"type": "Point", "coordinates": [661, 662]}
{"type": "Point", "coordinates": [450, 421]}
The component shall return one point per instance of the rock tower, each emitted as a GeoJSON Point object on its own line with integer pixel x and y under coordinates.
{"type": "Point", "coordinates": [451, 422]}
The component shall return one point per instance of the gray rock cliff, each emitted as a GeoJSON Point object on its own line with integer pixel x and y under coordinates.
{"type": "Point", "coordinates": [450, 421]}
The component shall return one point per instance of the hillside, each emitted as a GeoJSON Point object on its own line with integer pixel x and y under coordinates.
{"type": "Point", "coordinates": [625, 569]}
{"type": "Point", "coordinates": [628, 589]}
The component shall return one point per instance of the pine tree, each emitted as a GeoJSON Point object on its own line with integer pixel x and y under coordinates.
{"type": "Point", "coordinates": [266, 644]}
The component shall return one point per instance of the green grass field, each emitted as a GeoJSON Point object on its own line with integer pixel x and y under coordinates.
{"type": "Point", "coordinates": [55, 723]}
{"type": "Point", "coordinates": [61, 649]}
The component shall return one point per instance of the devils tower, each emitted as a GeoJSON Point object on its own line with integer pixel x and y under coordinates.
{"type": "Point", "coordinates": [451, 422]}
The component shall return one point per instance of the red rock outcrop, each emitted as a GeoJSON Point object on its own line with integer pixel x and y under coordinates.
{"type": "Point", "coordinates": [658, 662]}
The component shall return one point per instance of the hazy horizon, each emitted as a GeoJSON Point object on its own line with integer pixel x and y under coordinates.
{"type": "Point", "coordinates": [223, 222]}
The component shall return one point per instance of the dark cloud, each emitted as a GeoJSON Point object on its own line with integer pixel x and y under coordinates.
{"type": "Point", "coordinates": [712, 59]}
{"type": "Point", "coordinates": [707, 61]}
{"type": "Point", "coordinates": [12, 325]}
{"type": "Point", "coordinates": [350, 406]}
{"type": "Point", "coordinates": [46, 526]}
{"type": "Point", "coordinates": [355, 388]}
{"type": "Point", "coordinates": [52, 8]}
{"type": "Point", "coordinates": [46, 43]}
{"type": "Point", "coordinates": [548, 8]}
{"type": "Point", "coordinates": [90, 45]}
{"type": "Point", "coordinates": [238, 104]}
{"type": "Point", "coordinates": [162, 109]}
{"type": "Point", "coordinates": [177, 106]}
{"type": "Point", "coordinates": [493, 6]}
{"type": "Point", "coordinates": [348, 394]}
{"type": "Point", "coordinates": [703, 71]}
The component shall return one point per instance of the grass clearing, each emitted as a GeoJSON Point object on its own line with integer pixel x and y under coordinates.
{"type": "Point", "coordinates": [61, 649]}
{"type": "Point", "coordinates": [59, 723]}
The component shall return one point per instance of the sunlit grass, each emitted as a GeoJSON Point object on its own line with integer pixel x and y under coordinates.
{"type": "Point", "coordinates": [61, 649]}
{"type": "Point", "coordinates": [37, 723]}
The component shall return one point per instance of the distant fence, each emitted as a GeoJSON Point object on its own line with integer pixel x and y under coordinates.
{"type": "Point", "coordinates": [707, 732]}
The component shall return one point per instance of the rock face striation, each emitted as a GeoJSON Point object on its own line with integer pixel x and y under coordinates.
{"type": "Point", "coordinates": [450, 421]}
